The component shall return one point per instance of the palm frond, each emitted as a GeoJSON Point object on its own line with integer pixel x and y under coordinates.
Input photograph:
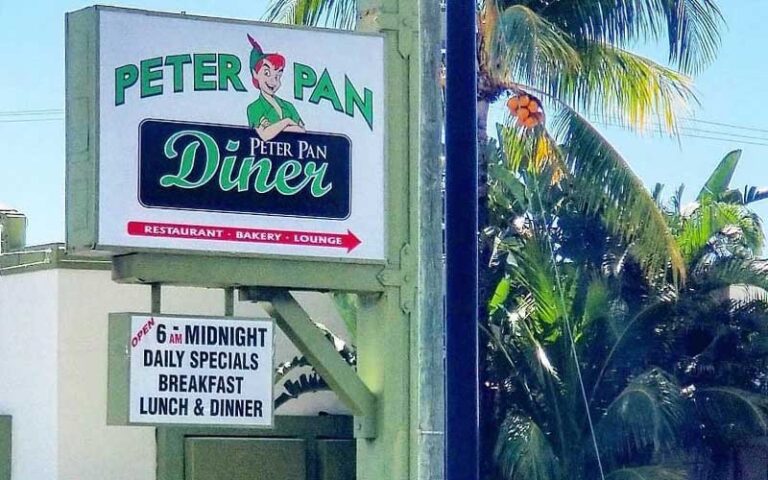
{"type": "Point", "coordinates": [692, 27]}
{"type": "Point", "coordinates": [293, 389]}
{"type": "Point", "coordinates": [655, 472]}
{"type": "Point", "coordinates": [288, 366]}
{"type": "Point", "coordinates": [755, 194]}
{"type": "Point", "coordinates": [733, 413]}
{"type": "Point", "coordinates": [718, 182]}
{"type": "Point", "coordinates": [535, 273]}
{"type": "Point", "coordinates": [732, 221]}
{"type": "Point", "coordinates": [728, 272]}
{"type": "Point", "coordinates": [606, 186]}
{"type": "Point", "coordinates": [621, 86]}
{"type": "Point", "coordinates": [534, 151]}
{"type": "Point", "coordinates": [646, 314]}
{"type": "Point", "coordinates": [646, 415]}
{"type": "Point", "coordinates": [328, 13]}
{"type": "Point", "coordinates": [523, 451]}
{"type": "Point", "coordinates": [525, 46]}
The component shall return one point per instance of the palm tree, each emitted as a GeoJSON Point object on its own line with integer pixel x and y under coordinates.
{"type": "Point", "coordinates": [575, 395]}
{"type": "Point", "coordinates": [573, 56]}
{"type": "Point", "coordinates": [667, 374]}
{"type": "Point", "coordinates": [713, 337]}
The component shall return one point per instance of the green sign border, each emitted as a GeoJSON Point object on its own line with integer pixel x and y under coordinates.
{"type": "Point", "coordinates": [82, 145]}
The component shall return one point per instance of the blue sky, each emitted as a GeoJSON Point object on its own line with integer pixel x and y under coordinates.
{"type": "Point", "coordinates": [731, 91]}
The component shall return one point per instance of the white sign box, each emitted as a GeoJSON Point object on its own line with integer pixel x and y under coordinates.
{"type": "Point", "coordinates": [196, 134]}
{"type": "Point", "coordinates": [190, 370]}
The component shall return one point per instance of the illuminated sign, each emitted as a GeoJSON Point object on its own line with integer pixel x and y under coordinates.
{"type": "Point", "coordinates": [196, 134]}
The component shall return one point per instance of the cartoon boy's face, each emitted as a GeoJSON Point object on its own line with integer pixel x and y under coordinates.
{"type": "Point", "coordinates": [268, 77]}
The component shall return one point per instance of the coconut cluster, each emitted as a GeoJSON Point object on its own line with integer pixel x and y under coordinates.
{"type": "Point", "coordinates": [527, 110]}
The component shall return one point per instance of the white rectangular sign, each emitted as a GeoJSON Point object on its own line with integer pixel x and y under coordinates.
{"type": "Point", "coordinates": [211, 371]}
{"type": "Point", "coordinates": [219, 135]}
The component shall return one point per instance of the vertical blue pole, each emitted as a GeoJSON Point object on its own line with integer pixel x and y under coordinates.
{"type": "Point", "coordinates": [461, 229]}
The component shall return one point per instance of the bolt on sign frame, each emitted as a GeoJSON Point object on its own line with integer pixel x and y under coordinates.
{"type": "Point", "coordinates": [396, 393]}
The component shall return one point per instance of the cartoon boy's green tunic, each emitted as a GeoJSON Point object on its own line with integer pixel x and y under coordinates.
{"type": "Point", "coordinates": [261, 109]}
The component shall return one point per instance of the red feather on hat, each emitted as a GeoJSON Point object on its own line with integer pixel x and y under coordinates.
{"type": "Point", "coordinates": [254, 43]}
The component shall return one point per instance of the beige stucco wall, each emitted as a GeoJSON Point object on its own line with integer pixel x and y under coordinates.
{"type": "Point", "coordinates": [28, 380]}
{"type": "Point", "coordinates": [56, 386]}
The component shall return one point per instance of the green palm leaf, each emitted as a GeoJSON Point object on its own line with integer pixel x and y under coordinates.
{"type": "Point", "coordinates": [690, 26]}
{"type": "Point", "coordinates": [647, 414]}
{"type": "Point", "coordinates": [697, 230]}
{"type": "Point", "coordinates": [331, 13]}
{"type": "Point", "coordinates": [606, 186]}
{"type": "Point", "coordinates": [717, 183]}
{"type": "Point", "coordinates": [656, 472]}
{"type": "Point", "coordinates": [525, 46]}
{"type": "Point", "coordinates": [621, 86]}
{"type": "Point", "coordinates": [733, 413]}
{"type": "Point", "coordinates": [693, 32]}
{"type": "Point", "coordinates": [647, 314]}
{"type": "Point", "coordinates": [730, 271]}
{"type": "Point", "coordinates": [523, 451]}
{"type": "Point", "coordinates": [535, 273]}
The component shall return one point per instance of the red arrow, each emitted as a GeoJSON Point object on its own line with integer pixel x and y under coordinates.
{"type": "Point", "coordinates": [351, 241]}
{"type": "Point", "coordinates": [250, 235]}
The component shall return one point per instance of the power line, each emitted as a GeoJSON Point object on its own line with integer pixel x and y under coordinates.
{"type": "Point", "coordinates": [52, 111]}
{"type": "Point", "coordinates": [722, 137]}
{"type": "Point", "coordinates": [30, 120]}
{"type": "Point", "coordinates": [613, 121]}
{"type": "Point", "coordinates": [737, 127]}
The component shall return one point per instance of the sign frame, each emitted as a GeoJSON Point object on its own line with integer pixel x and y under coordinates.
{"type": "Point", "coordinates": [82, 209]}
{"type": "Point", "coordinates": [119, 370]}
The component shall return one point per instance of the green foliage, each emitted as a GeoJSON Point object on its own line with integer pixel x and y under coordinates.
{"type": "Point", "coordinates": [658, 472]}
{"type": "Point", "coordinates": [347, 304]}
{"type": "Point", "coordinates": [605, 185]}
{"type": "Point", "coordinates": [338, 13]}
{"type": "Point", "coordinates": [525, 46]}
{"type": "Point", "coordinates": [732, 413]}
{"type": "Point", "coordinates": [698, 229]}
{"type": "Point", "coordinates": [646, 415]}
{"type": "Point", "coordinates": [718, 182]}
{"type": "Point", "coordinates": [690, 26]}
{"type": "Point", "coordinates": [311, 382]}
{"type": "Point", "coordinates": [618, 85]}
{"type": "Point", "coordinates": [667, 371]}
{"type": "Point", "coordinates": [500, 295]}
{"type": "Point", "coordinates": [523, 451]}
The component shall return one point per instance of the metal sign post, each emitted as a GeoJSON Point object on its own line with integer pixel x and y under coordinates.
{"type": "Point", "coordinates": [462, 409]}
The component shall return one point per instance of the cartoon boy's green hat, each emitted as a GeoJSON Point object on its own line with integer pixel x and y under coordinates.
{"type": "Point", "coordinates": [257, 53]}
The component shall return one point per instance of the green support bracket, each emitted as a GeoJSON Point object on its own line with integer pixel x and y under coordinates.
{"type": "Point", "coordinates": [339, 375]}
{"type": "Point", "coordinates": [5, 447]}
{"type": "Point", "coordinates": [224, 271]}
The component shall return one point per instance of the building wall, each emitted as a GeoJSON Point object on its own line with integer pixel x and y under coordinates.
{"type": "Point", "coordinates": [28, 380]}
{"type": "Point", "coordinates": [88, 448]}
{"type": "Point", "coordinates": [54, 344]}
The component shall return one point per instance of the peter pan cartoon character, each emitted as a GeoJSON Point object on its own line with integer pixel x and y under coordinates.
{"type": "Point", "coordinates": [270, 114]}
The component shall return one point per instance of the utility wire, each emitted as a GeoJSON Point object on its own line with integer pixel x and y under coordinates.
{"type": "Point", "coordinates": [52, 111]}
{"type": "Point", "coordinates": [31, 120]}
{"type": "Point", "coordinates": [714, 135]}
{"type": "Point", "coordinates": [617, 122]}
{"type": "Point", "coordinates": [568, 327]}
